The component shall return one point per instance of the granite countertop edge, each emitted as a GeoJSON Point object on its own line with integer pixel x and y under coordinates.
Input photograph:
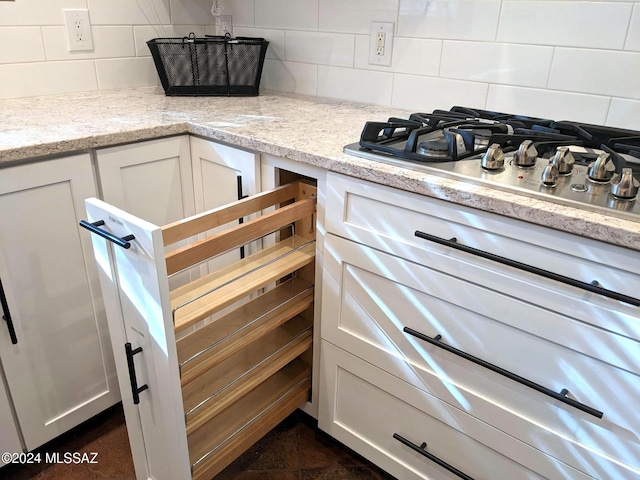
{"type": "Point", "coordinates": [262, 134]}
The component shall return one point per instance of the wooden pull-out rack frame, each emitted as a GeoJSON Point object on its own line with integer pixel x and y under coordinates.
{"type": "Point", "coordinates": [226, 357]}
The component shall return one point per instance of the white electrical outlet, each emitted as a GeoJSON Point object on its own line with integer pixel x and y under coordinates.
{"type": "Point", "coordinates": [226, 25]}
{"type": "Point", "coordinates": [78, 30]}
{"type": "Point", "coordinates": [381, 43]}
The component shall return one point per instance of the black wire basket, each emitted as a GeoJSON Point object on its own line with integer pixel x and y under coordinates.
{"type": "Point", "coordinates": [209, 66]}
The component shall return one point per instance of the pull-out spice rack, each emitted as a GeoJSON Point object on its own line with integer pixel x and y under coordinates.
{"type": "Point", "coordinates": [209, 367]}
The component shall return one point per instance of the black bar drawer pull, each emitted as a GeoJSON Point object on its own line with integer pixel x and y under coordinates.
{"type": "Point", "coordinates": [123, 242]}
{"type": "Point", "coordinates": [135, 390]}
{"type": "Point", "coordinates": [241, 196]}
{"type": "Point", "coordinates": [7, 316]}
{"type": "Point", "coordinates": [593, 287]}
{"type": "Point", "coordinates": [421, 449]}
{"type": "Point", "coordinates": [562, 396]}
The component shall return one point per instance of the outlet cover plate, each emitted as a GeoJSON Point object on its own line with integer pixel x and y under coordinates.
{"type": "Point", "coordinates": [225, 25]}
{"type": "Point", "coordinates": [381, 55]}
{"type": "Point", "coordinates": [78, 29]}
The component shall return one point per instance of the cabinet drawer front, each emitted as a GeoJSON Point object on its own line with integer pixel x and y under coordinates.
{"type": "Point", "coordinates": [388, 219]}
{"type": "Point", "coordinates": [371, 297]}
{"type": "Point", "coordinates": [452, 436]}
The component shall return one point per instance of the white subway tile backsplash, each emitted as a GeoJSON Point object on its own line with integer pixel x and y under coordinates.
{"type": "Point", "coordinates": [633, 35]}
{"type": "Point", "coordinates": [126, 73]}
{"type": "Point", "coordinates": [355, 16]}
{"type": "Point", "coordinates": [275, 38]}
{"type": "Point", "coordinates": [450, 19]}
{"type": "Point", "coordinates": [129, 12]}
{"type": "Point", "coordinates": [108, 42]}
{"type": "Point", "coordinates": [419, 93]}
{"type": "Point", "coordinates": [191, 12]}
{"type": "Point", "coordinates": [624, 113]}
{"type": "Point", "coordinates": [524, 65]}
{"type": "Point", "coordinates": [36, 12]}
{"type": "Point", "coordinates": [357, 85]}
{"type": "Point", "coordinates": [289, 14]}
{"type": "Point", "coordinates": [290, 77]}
{"type": "Point", "coordinates": [21, 44]}
{"type": "Point", "coordinates": [565, 23]}
{"type": "Point", "coordinates": [321, 48]}
{"type": "Point", "coordinates": [575, 59]}
{"type": "Point", "coordinates": [417, 56]}
{"type": "Point", "coordinates": [143, 33]}
{"type": "Point", "coordinates": [548, 104]}
{"type": "Point", "coordinates": [602, 72]}
{"type": "Point", "coordinates": [361, 55]}
{"type": "Point", "coordinates": [241, 10]}
{"type": "Point", "coordinates": [46, 78]}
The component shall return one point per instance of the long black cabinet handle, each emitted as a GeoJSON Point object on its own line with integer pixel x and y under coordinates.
{"type": "Point", "coordinates": [593, 287]}
{"type": "Point", "coordinates": [135, 390]}
{"type": "Point", "coordinates": [421, 450]}
{"type": "Point", "coordinates": [241, 196]}
{"type": "Point", "coordinates": [123, 242]}
{"type": "Point", "coordinates": [561, 396]}
{"type": "Point", "coordinates": [7, 316]}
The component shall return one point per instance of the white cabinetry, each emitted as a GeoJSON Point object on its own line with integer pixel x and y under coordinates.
{"type": "Point", "coordinates": [152, 180]}
{"type": "Point", "coordinates": [222, 175]}
{"type": "Point", "coordinates": [9, 438]}
{"type": "Point", "coordinates": [60, 372]}
{"type": "Point", "coordinates": [550, 365]}
{"type": "Point", "coordinates": [169, 179]}
{"type": "Point", "coordinates": [164, 181]}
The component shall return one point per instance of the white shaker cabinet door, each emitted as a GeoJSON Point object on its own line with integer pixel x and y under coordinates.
{"type": "Point", "coordinates": [222, 175]}
{"type": "Point", "coordinates": [152, 180]}
{"type": "Point", "coordinates": [9, 438]}
{"type": "Point", "coordinates": [61, 370]}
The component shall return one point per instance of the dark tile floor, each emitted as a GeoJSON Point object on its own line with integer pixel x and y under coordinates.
{"type": "Point", "coordinates": [294, 450]}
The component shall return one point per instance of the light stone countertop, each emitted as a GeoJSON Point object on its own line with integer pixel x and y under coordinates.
{"type": "Point", "coordinates": [306, 129]}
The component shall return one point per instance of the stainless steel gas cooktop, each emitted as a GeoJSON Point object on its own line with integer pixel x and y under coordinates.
{"type": "Point", "coordinates": [586, 166]}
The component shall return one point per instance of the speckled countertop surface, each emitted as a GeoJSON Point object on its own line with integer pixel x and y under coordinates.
{"type": "Point", "coordinates": [300, 128]}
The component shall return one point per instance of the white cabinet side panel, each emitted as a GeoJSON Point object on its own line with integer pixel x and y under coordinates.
{"type": "Point", "coordinates": [145, 306]}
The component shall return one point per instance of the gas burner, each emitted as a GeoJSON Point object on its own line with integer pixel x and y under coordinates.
{"type": "Point", "coordinates": [433, 148]}
{"type": "Point", "coordinates": [582, 165]}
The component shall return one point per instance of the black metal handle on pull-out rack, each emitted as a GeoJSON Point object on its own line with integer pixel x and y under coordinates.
{"type": "Point", "coordinates": [421, 449]}
{"type": "Point", "coordinates": [123, 242]}
{"type": "Point", "coordinates": [593, 287]}
{"type": "Point", "coordinates": [135, 390]}
{"type": "Point", "coordinates": [561, 396]}
{"type": "Point", "coordinates": [7, 316]}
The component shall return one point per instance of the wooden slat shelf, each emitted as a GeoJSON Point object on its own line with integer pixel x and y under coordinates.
{"type": "Point", "coordinates": [192, 303]}
{"type": "Point", "coordinates": [217, 243]}
{"type": "Point", "coordinates": [219, 387]}
{"type": "Point", "coordinates": [220, 339]}
{"type": "Point", "coordinates": [216, 444]}
{"type": "Point", "coordinates": [196, 224]}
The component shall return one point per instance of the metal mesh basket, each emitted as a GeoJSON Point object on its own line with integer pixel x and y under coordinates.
{"type": "Point", "coordinates": [210, 65]}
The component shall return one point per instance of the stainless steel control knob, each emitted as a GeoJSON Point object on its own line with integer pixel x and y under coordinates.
{"type": "Point", "coordinates": [602, 170]}
{"type": "Point", "coordinates": [526, 155]}
{"type": "Point", "coordinates": [550, 175]}
{"type": "Point", "coordinates": [493, 159]}
{"type": "Point", "coordinates": [564, 160]}
{"type": "Point", "coordinates": [626, 186]}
